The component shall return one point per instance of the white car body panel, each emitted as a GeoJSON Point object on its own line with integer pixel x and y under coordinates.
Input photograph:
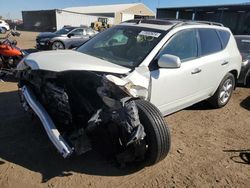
{"type": "Point", "coordinates": [170, 87]}
{"type": "Point", "coordinates": [174, 88]}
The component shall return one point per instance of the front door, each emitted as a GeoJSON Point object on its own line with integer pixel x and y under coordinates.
{"type": "Point", "coordinates": [176, 88]}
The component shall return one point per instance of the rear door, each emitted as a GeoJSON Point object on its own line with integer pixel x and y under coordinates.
{"type": "Point", "coordinates": [213, 60]}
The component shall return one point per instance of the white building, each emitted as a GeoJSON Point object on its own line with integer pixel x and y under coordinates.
{"type": "Point", "coordinates": [76, 16]}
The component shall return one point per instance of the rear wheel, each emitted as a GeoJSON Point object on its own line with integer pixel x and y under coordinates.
{"type": "Point", "coordinates": [224, 91]}
{"type": "Point", "coordinates": [57, 45]}
{"type": "Point", "coordinates": [157, 132]}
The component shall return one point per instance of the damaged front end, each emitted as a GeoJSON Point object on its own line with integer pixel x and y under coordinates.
{"type": "Point", "coordinates": [72, 105]}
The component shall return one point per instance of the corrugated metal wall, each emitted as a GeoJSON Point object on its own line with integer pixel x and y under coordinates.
{"type": "Point", "coordinates": [44, 20]}
{"type": "Point", "coordinates": [69, 18]}
{"type": "Point", "coordinates": [236, 17]}
{"type": "Point", "coordinates": [51, 20]}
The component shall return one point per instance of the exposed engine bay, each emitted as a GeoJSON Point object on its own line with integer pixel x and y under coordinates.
{"type": "Point", "coordinates": [73, 105]}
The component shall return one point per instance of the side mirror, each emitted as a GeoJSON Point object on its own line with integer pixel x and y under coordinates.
{"type": "Point", "coordinates": [169, 61]}
{"type": "Point", "coordinates": [70, 35]}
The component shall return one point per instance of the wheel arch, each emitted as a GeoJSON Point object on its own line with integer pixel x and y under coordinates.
{"type": "Point", "coordinates": [235, 74]}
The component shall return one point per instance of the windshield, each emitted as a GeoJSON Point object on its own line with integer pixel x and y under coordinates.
{"type": "Point", "coordinates": [243, 44]}
{"type": "Point", "coordinates": [123, 45]}
{"type": "Point", "coordinates": [63, 31]}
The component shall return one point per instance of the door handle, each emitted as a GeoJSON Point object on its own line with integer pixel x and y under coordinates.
{"type": "Point", "coordinates": [224, 63]}
{"type": "Point", "coordinates": [195, 71]}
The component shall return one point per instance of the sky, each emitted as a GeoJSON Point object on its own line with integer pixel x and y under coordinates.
{"type": "Point", "coordinates": [11, 9]}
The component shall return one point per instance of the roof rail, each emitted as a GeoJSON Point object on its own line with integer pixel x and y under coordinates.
{"type": "Point", "coordinates": [209, 23]}
{"type": "Point", "coordinates": [153, 21]}
{"type": "Point", "coordinates": [185, 21]}
{"type": "Point", "coordinates": [174, 22]}
{"type": "Point", "coordinates": [192, 22]}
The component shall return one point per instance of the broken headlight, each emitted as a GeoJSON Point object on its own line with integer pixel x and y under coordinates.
{"type": "Point", "coordinates": [135, 90]}
{"type": "Point", "coordinates": [22, 65]}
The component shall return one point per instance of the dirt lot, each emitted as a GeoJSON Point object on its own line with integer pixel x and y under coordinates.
{"type": "Point", "coordinates": [210, 148]}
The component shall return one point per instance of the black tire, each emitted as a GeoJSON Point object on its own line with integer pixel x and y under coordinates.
{"type": "Point", "coordinates": [216, 100]}
{"type": "Point", "coordinates": [55, 45]}
{"type": "Point", "coordinates": [157, 132]}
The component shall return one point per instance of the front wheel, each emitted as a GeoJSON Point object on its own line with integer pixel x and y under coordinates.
{"type": "Point", "coordinates": [224, 91]}
{"type": "Point", "coordinates": [57, 45]}
{"type": "Point", "coordinates": [157, 138]}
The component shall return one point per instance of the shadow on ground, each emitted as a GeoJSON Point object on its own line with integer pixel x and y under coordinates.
{"type": "Point", "coordinates": [246, 103]}
{"type": "Point", "coordinates": [242, 157]}
{"type": "Point", "coordinates": [25, 143]}
{"type": "Point", "coordinates": [203, 105]}
{"type": "Point", "coordinates": [8, 78]}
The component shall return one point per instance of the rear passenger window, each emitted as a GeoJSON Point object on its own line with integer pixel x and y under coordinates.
{"type": "Point", "coordinates": [210, 42]}
{"type": "Point", "coordinates": [183, 45]}
{"type": "Point", "coordinates": [224, 35]}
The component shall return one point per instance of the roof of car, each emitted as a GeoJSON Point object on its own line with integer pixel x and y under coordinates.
{"type": "Point", "coordinates": [166, 24]}
{"type": "Point", "coordinates": [74, 27]}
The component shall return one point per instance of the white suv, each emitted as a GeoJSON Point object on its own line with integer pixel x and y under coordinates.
{"type": "Point", "coordinates": [121, 74]}
{"type": "Point", "coordinates": [4, 26]}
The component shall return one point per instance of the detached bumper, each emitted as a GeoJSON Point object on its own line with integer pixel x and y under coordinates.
{"type": "Point", "coordinates": [28, 97]}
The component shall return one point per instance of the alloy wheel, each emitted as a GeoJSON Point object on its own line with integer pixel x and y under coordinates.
{"type": "Point", "coordinates": [57, 46]}
{"type": "Point", "coordinates": [226, 91]}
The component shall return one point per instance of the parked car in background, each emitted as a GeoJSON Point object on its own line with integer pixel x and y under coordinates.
{"type": "Point", "coordinates": [65, 38]}
{"type": "Point", "coordinates": [243, 42]}
{"type": "Point", "coordinates": [4, 26]}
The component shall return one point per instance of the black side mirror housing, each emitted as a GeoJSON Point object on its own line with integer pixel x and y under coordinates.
{"type": "Point", "coordinates": [70, 35]}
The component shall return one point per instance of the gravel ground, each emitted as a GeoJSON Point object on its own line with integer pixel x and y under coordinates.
{"type": "Point", "coordinates": [210, 148]}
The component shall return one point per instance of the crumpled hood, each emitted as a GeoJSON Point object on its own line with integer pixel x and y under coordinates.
{"type": "Point", "coordinates": [65, 60]}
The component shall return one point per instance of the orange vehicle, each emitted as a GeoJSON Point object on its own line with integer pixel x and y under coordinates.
{"type": "Point", "coordinates": [10, 54]}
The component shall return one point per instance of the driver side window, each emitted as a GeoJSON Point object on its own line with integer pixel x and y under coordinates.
{"type": "Point", "coordinates": [183, 45]}
{"type": "Point", "coordinates": [77, 32]}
